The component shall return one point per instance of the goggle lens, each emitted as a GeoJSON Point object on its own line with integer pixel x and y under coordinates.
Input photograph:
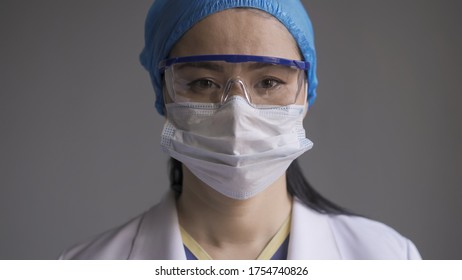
{"type": "Point", "coordinates": [261, 83]}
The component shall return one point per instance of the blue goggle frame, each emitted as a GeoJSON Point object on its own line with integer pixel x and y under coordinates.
{"type": "Point", "coordinates": [234, 58]}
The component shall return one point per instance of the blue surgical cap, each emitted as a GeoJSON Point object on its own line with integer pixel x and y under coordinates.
{"type": "Point", "coordinates": [168, 20]}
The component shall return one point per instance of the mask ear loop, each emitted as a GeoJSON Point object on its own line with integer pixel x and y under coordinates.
{"type": "Point", "coordinates": [229, 84]}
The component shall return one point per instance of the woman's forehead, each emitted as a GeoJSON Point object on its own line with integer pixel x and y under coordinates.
{"type": "Point", "coordinates": [238, 31]}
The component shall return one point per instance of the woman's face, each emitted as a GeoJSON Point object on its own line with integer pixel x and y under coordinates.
{"type": "Point", "coordinates": [238, 31]}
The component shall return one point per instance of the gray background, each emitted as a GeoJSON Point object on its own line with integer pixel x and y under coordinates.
{"type": "Point", "coordinates": [79, 138]}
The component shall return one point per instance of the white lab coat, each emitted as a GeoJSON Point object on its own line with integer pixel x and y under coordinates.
{"type": "Point", "coordinates": [156, 235]}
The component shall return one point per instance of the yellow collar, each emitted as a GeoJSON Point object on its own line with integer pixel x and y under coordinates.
{"type": "Point", "coordinates": [266, 254]}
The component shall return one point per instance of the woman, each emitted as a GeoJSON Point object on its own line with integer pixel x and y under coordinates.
{"type": "Point", "coordinates": [235, 80]}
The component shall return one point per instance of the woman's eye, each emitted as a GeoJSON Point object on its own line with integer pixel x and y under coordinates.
{"type": "Point", "coordinates": [203, 83]}
{"type": "Point", "coordinates": [269, 83]}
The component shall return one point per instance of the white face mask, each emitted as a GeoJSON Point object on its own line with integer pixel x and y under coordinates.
{"type": "Point", "coordinates": [236, 149]}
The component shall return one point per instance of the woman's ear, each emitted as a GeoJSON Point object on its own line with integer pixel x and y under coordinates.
{"type": "Point", "coordinates": [307, 105]}
{"type": "Point", "coordinates": [164, 95]}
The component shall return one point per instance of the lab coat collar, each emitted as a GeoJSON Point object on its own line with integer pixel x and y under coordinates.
{"type": "Point", "coordinates": [159, 234]}
{"type": "Point", "coordinates": [311, 237]}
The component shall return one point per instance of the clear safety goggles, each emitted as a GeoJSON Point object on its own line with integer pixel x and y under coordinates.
{"type": "Point", "coordinates": [262, 80]}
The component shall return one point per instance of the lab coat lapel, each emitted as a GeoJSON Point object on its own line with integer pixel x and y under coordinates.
{"type": "Point", "coordinates": [159, 235]}
{"type": "Point", "coordinates": [310, 236]}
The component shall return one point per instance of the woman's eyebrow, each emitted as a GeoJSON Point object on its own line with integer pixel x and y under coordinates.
{"type": "Point", "coordinates": [204, 65]}
{"type": "Point", "coordinates": [261, 65]}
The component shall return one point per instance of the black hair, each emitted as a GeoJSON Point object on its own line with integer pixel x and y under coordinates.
{"type": "Point", "coordinates": [297, 186]}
